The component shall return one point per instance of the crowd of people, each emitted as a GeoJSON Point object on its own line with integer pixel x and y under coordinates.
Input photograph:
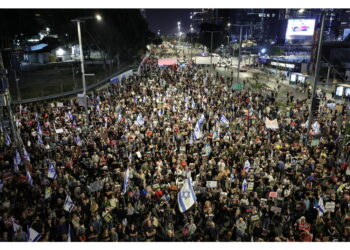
{"type": "Point", "coordinates": [116, 176]}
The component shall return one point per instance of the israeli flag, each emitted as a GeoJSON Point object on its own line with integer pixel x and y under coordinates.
{"type": "Point", "coordinates": [52, 172]}
{"type": "Point", "coordinates": [247, 166]}
{"type": "Point", "coordinates": [40, 132]}
{"type": "Point", "coordinates": [68, 204]}
{"type": "Point", "coordinates": [232, 177]}
{"type": "Point", "coordinates": [16, 227]}
{"type": "Point", "coordinates": [78, 141]}
{"type": "Point", "coordinates": [119, 117]}
{"type": "Point", "coordinates": [186, 197]}
{"type": "Point", "coordinates": [244, 185]}
{"type": "Point", "coordinates": [224, 121]}
{"type": "Point", "coordinates": [126, 181]}
{"type": "Point", "coordinates": [191, 139]}
{"type": "Point", "coordinates": [186, 106]}
{"type": "Point", "coordinates": [18, 158]}
{"type": "Point", "coordinates": [15, 165]}
{"type": "Point", "coordinates": [251, 111]}
{"type": "Point", "coordinates": [29, 178]}
{"type": "Point", "coordinates": [316, 127]}
{"type": "Point", "coordinates": [161, 112]}
{"type": "Point", "coordinates": [7, 139]}
{"type": "Point", "coordinates": [197, 132]}
{"type": "Point", "coordinates": [193, 104]}
{"type": "Point", "coordinates": [25, 155]}
{"type": "Point", "coordinates": [201, 120]}
{"type": "Point", "coordinates": [139, 121]}
{"type": "Point", "coordinates": [33, 236]}
{"type": "Point", "coordinates": [174, 109]}
{"type": "Point", "coordinates": [70, 115]}
{"type": "Point", "coordinates": [320, 207]}
{"type": "Point", "coordinates": [40, 140]}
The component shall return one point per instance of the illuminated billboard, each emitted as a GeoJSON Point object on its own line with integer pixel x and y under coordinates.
{"type": "Point", "coordinates": [300, 28]}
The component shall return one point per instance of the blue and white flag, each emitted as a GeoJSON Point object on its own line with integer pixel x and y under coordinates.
{"type": "Point", "coordinates": [320, 207]}
{"type": "Point", "coordinates": [186, 106]}
{"type": "Point", "coordinates": [232, 177]}
{"type": "Point", "coordinates": [251, 111]}
{"type": "Point", "coordinates": [7, 139]}
{"type": "Point", "coordinates": [119, 117]}
{"type": "Point", "coordinates": [15, 165]}
{"type": "Point", "coordinates": [78, 140]}
{"type": "Point", "coordinates": [224, 121]}
{"type": "Point", "coordinates": [191, 139]}
{"type": "Point", "coordinates": [40, 132]}
{"type": "Point", "coordinates": [186, 197]}
{"type": "Point", "coordinates": [33, 236]}
{"type": "Point", "coordinates": [201, 120]}
{"type": "Point", "coordinates": [29, 178]}
{"type": "Point", "coordinates": [25, 155]}
{"type": "Point", "coordinates": [316, 127]}
{"type": "Point", "coordinates": [68, 204]}
{"type": "Point", "coordinates": [16, 227]}
{"type": "Point", "coordinates": [139, 121]}
{"type": "Point", "coordinates": [174, 109]}
{"type": "Point", "coordinates": [18, 158]}
{"type": "Point", "coordinates": [126, 181]}
{"type": "Point", "coordinates": [244, 185]}
{"type": "Point", "coordinates": [40, 140]}
{"type": "Point", "coordinates": [197, 132]}
{"type": "Point", "coordinates": [51, 172]}
{"type": "Point", "coordinates": [193, 104]}
{"type": "Point", "coordinates": [161, 112]}
{"type": "Point", "coordinates": [247, 166]}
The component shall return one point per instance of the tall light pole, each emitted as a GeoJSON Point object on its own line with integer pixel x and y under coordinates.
{"type": "Point", "coordinates": [191, 41]}
{"type": "Point", "coordinates": [211, 45]}
{"type": "Point", "coordinates": [78, 21]}
{"type": "Point", "coordinates": [317, 67]}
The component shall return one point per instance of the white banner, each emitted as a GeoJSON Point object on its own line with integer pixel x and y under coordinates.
{"type": "Point", "coordinates": [271, 124]}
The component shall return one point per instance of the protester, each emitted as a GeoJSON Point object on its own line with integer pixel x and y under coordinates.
{"type": "Point", "coordinates": [117, 178]}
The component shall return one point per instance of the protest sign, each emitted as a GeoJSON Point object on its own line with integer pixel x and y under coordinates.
{"type": "Point", "coordinates": [211, 184]}
{"type": "Point", "coordinates": [273, 194]}
{"type": "Point", "coordinates": [330, 206]}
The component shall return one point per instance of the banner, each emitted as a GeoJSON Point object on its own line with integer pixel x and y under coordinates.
{"type": "Point", "coordinates": [212, 184]}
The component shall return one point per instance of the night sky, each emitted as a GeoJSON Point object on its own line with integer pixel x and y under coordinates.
{"type": "Point", "coordinates": [166, 20]}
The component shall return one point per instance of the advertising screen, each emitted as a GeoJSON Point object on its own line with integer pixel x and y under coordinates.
{"type": "Point", "coordinates": [339, 91]}
{"type": "Point", "coordinates": [300, 27]}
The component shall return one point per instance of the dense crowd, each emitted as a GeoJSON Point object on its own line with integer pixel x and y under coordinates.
{"type": "Point", "coordinates": [251, 183]}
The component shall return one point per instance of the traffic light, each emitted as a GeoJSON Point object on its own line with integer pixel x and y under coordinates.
{"type": "Point", "coordinates": [315, 105]}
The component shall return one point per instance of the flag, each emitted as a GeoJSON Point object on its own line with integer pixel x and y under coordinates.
{"type": "Point", "coordinates": [174, 109]}
{"type": "Point", "coordinates": [15, 165]}
{"type": "Point", "coordinates": [68, 204]}
{"type": "Point", "coordinates": [232, 177]}
{"type": "Point", "coordinates": [320, 207]}
{"type": "Point", "coordinates": [16, 227]}
{"type": "Point", "coordinates": [139, 121]}
{"type": "Point", "coordinates": [7, 139]}
{"type": "Point", "coordinates": [119, 117]}
{"type": "Point", "coordinates": [33, 236]}
{"type": "Point", "coordinates": [224, 121]}
{"type": "Point", "coordinates": [78, 141]}
{"type": "Point", "coordinates": [191, 139]}
{"type": "Point", "coordinates": [160, 112]}
{"type": "Point", "coordinates": [186, 197]}
{"type": "Point", "coordinates": [18, 158]}
{"type": "Point", "coordinates": [40, 132]}
{"type": "Point", "coordinates": [106, 122]}
{"type": "Point", "coordinates": [197, 132]}
{"type": "Point", "coordinates": [186, 106]}
{"type": "Point", "coordinates": [29, 178]}
{"type": "Point", "coordinates": [246, 166]}
{"type": "Point", "coordinates": [40, 140]}
{"type": "Point", "coordinates": [36, 116]}
{"type": "Point", "coordinates": [201, 120]}
{"type": "Point", "coordinates": [216, 134]}
{"type": "Point", "coordinates": [25, 155]}
{"type": "Point", "coordinates": [251, 111]}
{"type": "Point", "coordinates": [193, 104]}
{"type": "Point", "coordinates": [316, 127]}
{"type": "Point", "coordinates": [126, 181]}
{"type": "Point", "coordinates": [244, 185]}
{"type": "Point", "coordinates": [52, 172]}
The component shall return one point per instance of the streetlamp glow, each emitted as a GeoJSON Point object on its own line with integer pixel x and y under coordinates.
{"type": "Point", "coordinates": [178, 23]}
{"type": "Point", "coordinates": [98, 17]}
{"type": "Point", "coordinates": [229, 24]}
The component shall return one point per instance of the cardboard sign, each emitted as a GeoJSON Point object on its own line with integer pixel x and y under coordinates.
{"type": "Point", "coordinates": [212, 184]}
{"type": "Point", "coordinates": [315, 143]}
{"type": "Point", "coordinates": [255, 217]}
{"type": "Point", "coordinates": [59, 131]}
{"type": "Point", "coordinates": [330, 206]}
{"type": "Point", "coordinates": [59, 104]}
{"type": "Point", "coordinates": [273, 194]}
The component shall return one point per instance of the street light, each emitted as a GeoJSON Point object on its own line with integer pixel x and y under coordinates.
{"type": "Point", "coordinates": [191, 40]}
{"type": "Point", "coordinates": [78, 21]}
